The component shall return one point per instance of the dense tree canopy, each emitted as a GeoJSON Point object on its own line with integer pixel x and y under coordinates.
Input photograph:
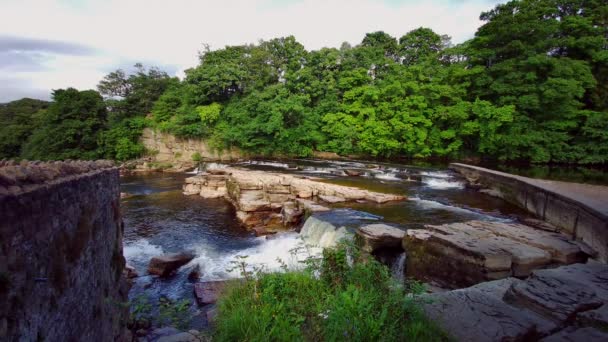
{"type": "Point", "coordinates": [532, 85]}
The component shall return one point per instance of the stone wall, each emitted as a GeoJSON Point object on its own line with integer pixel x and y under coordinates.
{"type": "Point", "coordinates": [579, 210]}
{"type": "Point", "coordinates": [168, 148]}
{"type": "Point", "coordinates": [61, 259]}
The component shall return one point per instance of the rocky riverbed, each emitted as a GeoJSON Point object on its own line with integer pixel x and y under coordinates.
{"type": "Point", "coordinates": [403, 215]}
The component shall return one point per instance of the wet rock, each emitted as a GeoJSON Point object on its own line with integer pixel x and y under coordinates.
{"type": "Point", "coordinates": [265, 193]}
{"type": "Point", "coordinates": [291, 214]}
{"type": "Point", "coordinates": [165, 265]}
{"type": "Point", "coordinates": [573, 334]}
{"type": "Point", "coordinates": [130, 272]}
{"type": "Point", "coordinates": [208, 292]}
{"type": "Point", "coordinates": [597, 318]}
{"type": "Point", "coordinates": [261, 231]}
{"type": "Point", "coordinates": [195, 273]}
{"type": "Point", "coordinates": [380, 236]}
{"type": "Point", "coordinates": [353, 172]}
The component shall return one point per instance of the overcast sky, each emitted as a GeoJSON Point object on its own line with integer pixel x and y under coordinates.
{"type": "Point", "coordinates": [51, 44]}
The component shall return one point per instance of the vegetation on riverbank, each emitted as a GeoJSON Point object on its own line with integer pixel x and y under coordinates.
{"type": "Point", "coordinates": [530, 86]}
{"type": "Point", "coordinates": [330, 299]}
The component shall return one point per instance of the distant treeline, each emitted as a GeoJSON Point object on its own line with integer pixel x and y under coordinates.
{"type": "Point", "coordinates": [532, 85]}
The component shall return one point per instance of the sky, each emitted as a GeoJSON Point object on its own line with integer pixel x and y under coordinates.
{"type": "Point", "coordinates": [53, 44]}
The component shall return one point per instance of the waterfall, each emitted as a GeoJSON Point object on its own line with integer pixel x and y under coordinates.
{"type": "Point", "coordinates": [398, 268]}
{"type": "Point", "coordinates": [322, 234]}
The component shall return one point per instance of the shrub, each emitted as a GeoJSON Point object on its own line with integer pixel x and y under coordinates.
{"type": "Point", "coordinates": [333, 299]}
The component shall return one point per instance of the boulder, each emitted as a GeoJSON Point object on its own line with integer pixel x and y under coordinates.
{"type": "Point", "coordinates": [353, 172]}
{"type": "Point", "coordinates": [378, 236]}
{"type": "Point", "coordinates": [214, 171]}
{"type": "Point", "coordinates": [208, 292]}
{"type": "Point", "coordinates": [597, 318]}
{"type": "Point", "coordinates": [165, 265]}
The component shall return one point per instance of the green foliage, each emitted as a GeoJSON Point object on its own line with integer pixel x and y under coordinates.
{"type": "Point", "coordinates": [358, 302]}
{"type": "Point", "coordinates": [532, 85]}
{"type": "Point", "coordinates": [70, 127]}
{"type": "Point", "coordinates": [196, 157]}
{"type": "Point", "coordinates": [144, 313]}
{"type": "Point", "coordinates": [17, 121]}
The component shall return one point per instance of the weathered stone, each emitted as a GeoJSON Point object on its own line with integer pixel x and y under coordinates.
{"type": "Point", "coordinates": [217, 171]}
{"type": "Point", "coordinates": [353, 172]}
{"type": "Point", "coordinates": [61, 252]}
{"type": "Point", "coordinates": [479, 314]}
{"type": "Point", "coordinates": [211, 193]}
{"type": "Point", "coordinates": [562, 292]}
{"type": "Point", "coordinates": [577, 209]}
{"type": "Point", "coordinates": [130, 272]}
{"type": "Point", "coordinates": [261, 231]}
{"type": "Point", "coordinates": [597, 318]}
{"type": "Point", "coordinates": [291, 214]}
{"type": "Point", "coordinates": [331, 199]}
{"type": "Point", "coordinates": [260, 196]}
{"type": "Point", "coordinates": [208, 292]}
{"type": "Point", "coordinates": [377, 236]}
{"type": "Point", "coordinates": [559, 245]}
{"type": "Point", "coordinates": [483, 250]}
{"type": "Point", "coordinates": [577, 335]}
{"type": "Point", "coordinates": [310, 206]}
{"type": "Point", "coordinates": [195, 273]}
{"type": "Point", "coordinates": [165, 265]}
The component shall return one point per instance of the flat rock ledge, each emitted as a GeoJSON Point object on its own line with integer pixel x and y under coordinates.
{"type": "Point", "coordinates": [467, 253]}
{"type": "Point", "coordinates": [567, 303]}
{"type": "Point", "coordinates": [275, 200]}
{"type": "Point", "coordinates": [377, 236]}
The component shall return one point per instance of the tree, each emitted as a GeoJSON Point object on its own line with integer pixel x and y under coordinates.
{"type": "Point", "coordinates": [18, 119]}
{"type": "Point", "coordinates": [70, 127]}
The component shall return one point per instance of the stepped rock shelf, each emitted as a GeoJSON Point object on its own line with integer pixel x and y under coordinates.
{"type": "Point", "coordinates": [463, 254]}
{"type": "Point", "coordinates": [275, 200]}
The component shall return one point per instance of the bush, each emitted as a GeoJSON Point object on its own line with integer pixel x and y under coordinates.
{"type": "Point", "coordinates": [333, 299]}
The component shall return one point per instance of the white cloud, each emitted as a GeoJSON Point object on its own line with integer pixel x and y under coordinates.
{"type": "Point", "coordinates": [171, 32]}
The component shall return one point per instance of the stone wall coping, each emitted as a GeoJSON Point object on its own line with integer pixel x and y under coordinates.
{"type": "Point", "coordinates": [25, 176]}
{"type": "Point", "coordinates": [593, 198]}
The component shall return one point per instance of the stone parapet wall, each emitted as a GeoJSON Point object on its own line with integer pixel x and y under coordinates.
{"type": "Point", "coordinates": [61, 259]}
{"type": "Point", "coordinates": [580, 210]}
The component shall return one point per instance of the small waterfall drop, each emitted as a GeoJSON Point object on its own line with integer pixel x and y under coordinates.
{"type": "Point", "coordinates": [322, 234]}
{"type": "Point", "coordinates": [398, 268]}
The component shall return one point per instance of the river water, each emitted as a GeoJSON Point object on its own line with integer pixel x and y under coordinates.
{"type": "Point", "coordinates": [160, 219]}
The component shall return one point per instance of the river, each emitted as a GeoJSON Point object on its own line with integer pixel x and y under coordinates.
{"type": "Point", "coordinates": [160, 219]}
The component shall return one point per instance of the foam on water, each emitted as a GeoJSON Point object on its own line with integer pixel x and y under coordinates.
{"type": "Point", "coordinates": [436, 174]}
{"type": "Point", "coordinates": [208, 166]}
{"type": "Point", "coordinates": [267, 254]}
{"type": "Point", "coordinates": [141, 251]}
{"type": "Point", "coordinates": [442, 183]}
{"type": "Point", "coordinates": [387, 176]}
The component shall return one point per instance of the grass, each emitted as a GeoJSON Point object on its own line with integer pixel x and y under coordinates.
{"type": "Point", "coordinates": [331, 299]}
